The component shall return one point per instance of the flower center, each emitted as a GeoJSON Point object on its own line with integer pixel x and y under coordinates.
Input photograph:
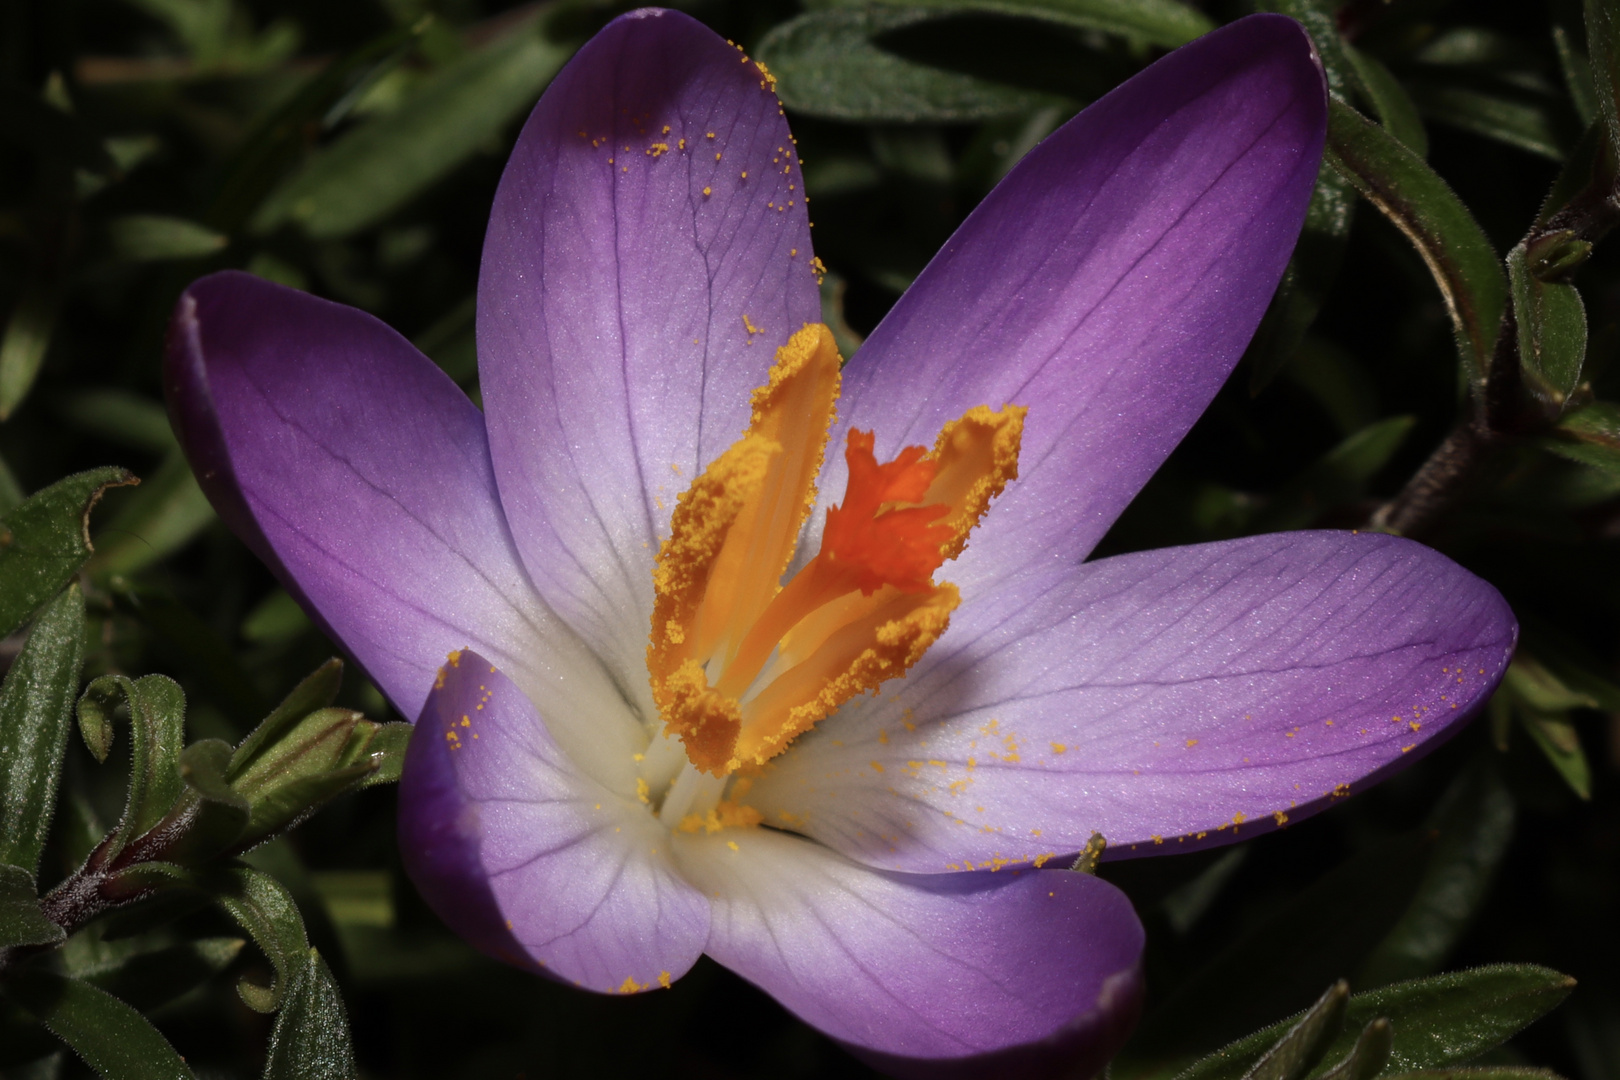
{"type": "Point", "coordinates": [741, 664]}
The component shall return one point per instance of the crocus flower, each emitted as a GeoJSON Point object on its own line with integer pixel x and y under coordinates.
{"type": "Point", "coordinates": [840, 719]}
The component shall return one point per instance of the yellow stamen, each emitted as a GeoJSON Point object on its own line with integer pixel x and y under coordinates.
{"type": "Point", "coordinates": [740, 665]}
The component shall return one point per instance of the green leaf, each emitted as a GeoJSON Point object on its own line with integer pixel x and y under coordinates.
{"type": "Point", "coordinates": [1311, 272]}
{"type": "Point", "coordinates": [325, 754]}
{"type": "Point", "coordinates": [122, 417]}
{"type": "Point", "coordinates": [157, 714]}
{"type": "Point", "coordinates": [36, 715]}
{"type": "Point", "coordinates": [31, 122]}
{"type": "Point", "coordinates": [1154, 22]}
{"type": "Point", "coordinates": [1590, 435]}
{"type": "Point", "coordinates": [157, 238]}
{"type": "Point", "coordinates": [1303, 1045]}
{"type": "Point", "coordinates": [1474, 825]}
{"type": "Point", "coordinates": [212, 816]}
{"type": "Point", "coordinates": [1552, 332]}
{"type": "Point", "coordinates": [311, 1038]}
{"type": "Point", "coordinates": [1437, 1021]}
{"type": "Point", "coordinates": [112, 1038]}
{"type": "Point", "coordinates": [264, 155]}
{"type": "Point", "coordinates": [22, 350]}
{"type": "Point", "coordinates": [827, 63]}
{"type": "Point", "coordinates": [373, 170]}
{"type": "Point", "coordinates": [162, 517]}
{"type": "Point", "coordinates": [1523, 122]}
{"type": "Point", "coordinates": [1484, 1072]}
{"type": "Point", "coordinates": [207, 654]}
{"type": "Point", "coordinates": [1339, 477]}
{"type": "Point", "coordinates": [1368, 1056]}
{"type": "Point", "coordinates": [1428, 212]}
{"type": "Point", "coordinates": [1389, 99]}
{"type": "Point", "coordinates": [1321, 22]}
{"type": "Point", "coordinates": [317, 691]}
{"type": "Point", "coordinates": [149, 979]}
{"type": "Point", "coordinates": [387, 749]}
{"type": "Point", "coordinates": [21, 920]}
{"type": "Point", "coordinates": [1603, 45]}
{"type": "Point", "coordinates": [262, 906]}
{"type": "Point", "coordinates": [1577, 70]}
{"type": "Point", "coordinates": [45, 540]}
{"type": "Point", "coordinates": [1555, 735]}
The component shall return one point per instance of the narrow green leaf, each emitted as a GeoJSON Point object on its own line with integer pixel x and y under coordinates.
{"type": "Point", "coordinates": [36, 715]}
{"type": "Point", "coordinates": [1303, 1045]}
{"type": "Point", "coordinates": [1530, 683]}
{"type": "Point", "coordinates": [828, 63]}
{"type": "Point", "coordinates": [1526, 122]}
{"type": "Point", "coordinates": [1339, 477]}
{"type": "Point", "coordinates": [387, 750]}
{"type": "Point", "coordinates": [1590, 434]}
{"type": "Point", "coordinates": [1428, 212]}
{"type": "Point", "coordinates": [122, 417]}
{"type": "Point", "coordinates": [1311, 272]}
{"type": "Point", "coordinates": [1368, 1056]}
{"type": "Point", "coordinates": [1474, 824]}
{"type": "Point", "coordinates": [1389, 99]}
{"type": "Point", "coordinates": [21, 920]}
{"type": "Point", "coordinates": [212, 817]}
{"type": "Point", "coordinates": [311, 1038]}
{"type": "Point", "coordinates": [45, 540]}
{"type": "Point", "coordinates": [22, 349]}
{"type": "Point", "coordinates": [1603, 47]}
{"type": "Point", "coordinates": [1166, 23]}
{"type": "Point", "coordinates": [11, 492]}
{"type": "Point", "coordinates": [1480, 1072]}
{"type": "Point", "coordinates": [262, 906]}
{"type": "Point", "coordinates": [373, 170]}
{"type": "Point", "coordinates": [157, 238]}
{"type": "Point", "coordinates": [317, 691]}
{"type": "Point", "coordinates": [207, 655]}
{"type": "Point", "coordinates": [29, 121]}
{"type": "Point", "coordinates": [162, 517]}
{"type": "Point", "coordinates": [1320, 20]}
{"type": "Point", "coordinates": [1577, 70]}
{"type": "Point", "coordinates": [112, 1038]}
{"type": "Point", "coordinates": [1437, 1021]}
{"type": "Point", "coordinates": [157, 714]}
{"type": "Point", "coordinates": [1555, 735]}
{"type": "Point", "coordinates": [151, 978]}
{"type": "Point", "coordinates": [1552, 332]}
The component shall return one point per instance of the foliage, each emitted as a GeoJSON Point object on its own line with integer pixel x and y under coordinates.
{"type": "Point", "coordinates": [1436, 363]}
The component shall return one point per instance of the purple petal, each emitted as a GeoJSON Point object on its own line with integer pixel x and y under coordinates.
{"type": "Point", "coordinates": [527, 858]}
{"type": "Point", "coordinates": [995, 974]}
{"type": "Point", "coordinates": [1184, 696]}
{"type": "Point", "coordinates": [359, 472]}
{"type": "Point", "coordinates": [1109, 283]}
{"type": "Point", "coordinates": [626, 259]}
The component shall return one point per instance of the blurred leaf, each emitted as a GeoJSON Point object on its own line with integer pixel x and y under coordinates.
{"type": "Point", "coordinates": [45, 539]}
{"type": "Point", "coordinates": [1303, 1045]}
{"type": "Point", "coordinates": [149, 979]}
{"type": "Point", "coordinates": [22, 350]}
{"type": "Point", "coordinates": [121, 417]}
{"type": "Point", "coordinates": [1389, 99]}
{"type": "Point", "coordinates": [112, 1038]}
{"type": "Point", "coordinates": [827, 64]}
{"type": "Point", "coordinates": [258, 165]}
{"type": "Point", "coordinates": [162, 517]}
{"type": "Point", "coordinates": [26, 120]}
{"type": "Point", "coordinates": [1474, 825]}
{"type": "Point", "coordinates": [21, 920]}
{"type": "Point", "coordinates": [157, 715]}
{"type": "Point", "coordinates": [36, 715]}
{"type": "Point", "coordinates": [1577, 71]}
{"type": "Point", "coordinates": [1523, 122]}
{"type": "Point", "coordinates": [156, 238]}
{"type": "Point", "coordinates": [373, 170]}
{"type": "Point", "coordinates": [1306, 281]}
{"type": "Point", "coordinates": [1320, 20]}
{"type": "Point", "coordinates": [1552, 331]}
{"type": "Point", "coordinates": [1603, 45]}
{"type": "Point", "coordinates": [311, 1038]}
{"type": "Point", "coordinates": [1339, 477]}
{"type": "Point", "coordinates": [1530, 682]}
{"type": "Point", "coordinates": [1188, 903]}
{"type": "Point", "coordinates": [205, 653]}
{"type": "Point", "coordinates": [1368, 1056]}
{"type": "Point", "coordinates": [1555, 735]}
{"type": "Point", "coordinates": [11, 492]}
{"type": "Point", "coordinates": [1437, 1021]}
{"type": "Point", "coordinates": [1336, 381]}
{"type": "Point", "coordinates": [1155, 22]}
{"type": "Point", "coordinates": [1445, 234]}
{"type": "Point", "coordinates": [1478, 1072]}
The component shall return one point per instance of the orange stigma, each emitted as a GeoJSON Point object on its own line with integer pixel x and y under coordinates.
{"type": "Point", "coordinates": [741, 664]}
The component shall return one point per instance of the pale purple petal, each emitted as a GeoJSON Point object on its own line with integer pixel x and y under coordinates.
{"type": "Point", "coordinates": [515, 848]}
{"type": "Point", "coordinates": [359, 472]}
{"type": "Point", "coordinates": [1190, 695]}
{"type": "Point", "coordinates": [1109, 283]}
{"type": "Point", "coordinates": [955, 969]}
{"type": "Point", "coordinates": [652, 212]}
